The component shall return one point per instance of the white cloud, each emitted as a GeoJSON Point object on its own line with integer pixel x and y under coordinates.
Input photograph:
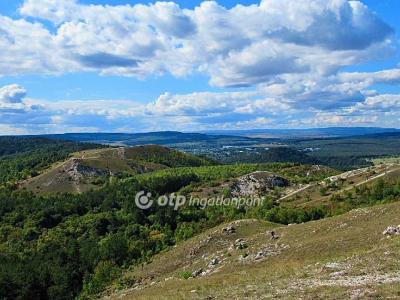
{"type": "Point", "coordinates": [292, 52]}
{"type": "Point", "coordinates": [334, 119]}
{"type": "Point", "coordinates": [244, 45]}
{"type": "Point", "coordinates": [200, 104]}
{"type": "Point", "coordinates": [391, 76]}
{"type": "Point", "coordinates": [20, 114]}
{"type": "Point", "coordinates": [378, 103]}
{"type": "Point", "coordinates": [12, 94]}
{"type": "Point", "coordinates": [29, 48]}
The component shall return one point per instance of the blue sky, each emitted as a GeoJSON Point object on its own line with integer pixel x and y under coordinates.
{"type": "Point", "coordinates": [86, 65]}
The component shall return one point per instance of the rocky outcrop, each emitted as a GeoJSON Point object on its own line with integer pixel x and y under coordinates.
{"type": "Point", "coordinates": [240, 244]}
{"type": "Point", "coordinates": [197, 272]}
{"type": "Point", "coordinates": [392, 230]}
{"type": "Point", "coordinates": [77, 170]}
{"type": "Point", "coordinates": [257, 184]}
{"type": "Point", "coordinates": [229, 229]}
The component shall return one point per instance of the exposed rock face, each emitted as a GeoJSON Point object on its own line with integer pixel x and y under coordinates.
{"type": "Point", "coordinates": [392, 230]}
{"type": "Point", "coordinates": [76, 170]}
{"type": "Point", "coordinates": [257, 184]}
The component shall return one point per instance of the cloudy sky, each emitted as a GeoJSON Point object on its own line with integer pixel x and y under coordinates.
{"type": "Point", "coordinates": [133, 66]}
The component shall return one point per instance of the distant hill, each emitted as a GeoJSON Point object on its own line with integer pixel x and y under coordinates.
{"type": "Point", "coordinates": [218, 137]}
{"type": "Point", "coordinates": [159, 138]}
{"type": "Point", "coordinates": [362, 146]}
{"type": "Point", "coordinates": [92, 168]}
{"type": "Point", "coordinates": [12, 145]}
{"type": "Point", "coordinates": [304, 133]}
{"type": "Point", "coordinates": [165, 156]}
{"type": "Point", "coordinates": [277, 154]}
{"type": "Point", "coordinates": [341, 148]}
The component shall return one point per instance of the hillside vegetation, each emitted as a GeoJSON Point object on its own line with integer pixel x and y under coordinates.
{"type": "Point", "coordinates": [164, 156]}
{"type": "Point", "coordinates": [92, 169]}
{"type": "Point", "coordinates": [65, 245]}
{"type": "Point", "coordinates": [23, 157]}
{"type": "Point", "coordinates": [347, 153]}
{"type": "Point", "coordinates": [74, 230]}
{"type": "Point", "coordinates": [274, 154]}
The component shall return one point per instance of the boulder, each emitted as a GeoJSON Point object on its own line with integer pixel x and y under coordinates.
{"type": "Point", "coordinates": [392, 230]}
{"type": "Point", "coordinates": [229, 229]}
{"type": "Point", "coordinates": [197, 272]}
{"type": "Point", "coordinates": [240, 244]}
{"type": "Point", "coordinates": [215, 261]}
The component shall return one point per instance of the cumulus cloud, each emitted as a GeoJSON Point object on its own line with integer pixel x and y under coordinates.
{"type": "Point", "coordinates": [241, 46]}
{"type": "Point", "coordinates": [29, 48]}
{"type": "Point", "coordinates": [12, 94]}
{"type": "Point", "coordinates": [17, 114]}
{"type": "Point", "coordinates": [20, 114]}
{"type": "Point", "coordinates": [391, 76]}
{"type": "Point", "coordinates": [290, 53]}
{"type": "Point", "coordinates": [200, 104]}
{"type": "Point", "coordinates": [385, 103]}
{"type": "Point", "coordinates": [196, 111]}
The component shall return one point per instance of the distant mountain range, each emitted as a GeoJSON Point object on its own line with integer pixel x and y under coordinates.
{"type": "Point", "coordinates": [220, 137]}
{"type": "Point", "coordinates": [159, 138]}
{"type": "Point", "coordinates": [304, 133]}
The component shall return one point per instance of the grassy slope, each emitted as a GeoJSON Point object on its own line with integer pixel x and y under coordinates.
{"type": "Point", "coordinates": [294, 172]}
{"type": "Point", "coordinates": [343, 256]}
{"type": "Point", "coordinates": [339, 257]}
{"type": "Point", "coordinates": [111, 161]}
{"type": "Point", "coordinates": [311, 196]}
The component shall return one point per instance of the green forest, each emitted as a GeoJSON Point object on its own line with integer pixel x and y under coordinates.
{"type": "Point", "coordinates": [67, 246]}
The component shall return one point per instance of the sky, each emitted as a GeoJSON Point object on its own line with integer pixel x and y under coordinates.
{"type": "Point", "coordinates": [136, 66]}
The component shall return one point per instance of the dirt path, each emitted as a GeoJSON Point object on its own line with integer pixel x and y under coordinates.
{"type": "Point", "coordinates": [345, 175]}
{"type": "Point", "coordinates": [373, 178]}
{"type": "Point", "coordinates": [296, 192]}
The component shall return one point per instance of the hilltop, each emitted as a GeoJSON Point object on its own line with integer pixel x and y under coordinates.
{"type": "Point", "coordinates": [24, 157]}
{"type": "Point", "coordinates": [90, 169]}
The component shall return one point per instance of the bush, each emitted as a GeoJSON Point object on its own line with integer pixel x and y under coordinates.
{"type": "Point", "coordinates": [104, 273]}
{"type": "Point", "coordinates": [186, 274]}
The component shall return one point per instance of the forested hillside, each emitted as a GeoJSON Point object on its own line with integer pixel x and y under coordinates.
{"type": "Point", "coordinates": [66, 246]}
{"type": "Point", "coordinates": [21, 157]}
{"type": "Point", "coordinates": [165, 156]}
{"type": "Point", "coordinates": [276, 154]}
{"type": "Point", "coordinates": [351, 152]}
{"type": "Point", "coordinates": [62, 246]}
